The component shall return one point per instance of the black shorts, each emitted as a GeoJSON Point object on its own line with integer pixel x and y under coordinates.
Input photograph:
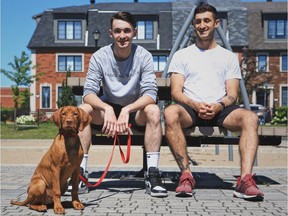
{"type": "Point", "coordinates": [216, 121]}
{"type": "Point", "coordinates": [117, 109]}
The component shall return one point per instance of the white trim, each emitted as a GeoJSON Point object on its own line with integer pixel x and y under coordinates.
{"type": "Point", "coordinates": [33, 85]}
{"type": "Point", "coordinates": [56, 96]}
{"type": "Point", "coordinates": [69, 54]}
{"type": "Point", "coordinates": [45, 85]}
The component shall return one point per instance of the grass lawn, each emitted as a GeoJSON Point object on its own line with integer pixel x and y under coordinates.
{"type": "Point", "coordinates": [46, 130]}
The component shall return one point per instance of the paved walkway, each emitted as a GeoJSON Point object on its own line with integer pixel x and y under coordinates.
{"type": "Point", "coordinates": [122, 194]}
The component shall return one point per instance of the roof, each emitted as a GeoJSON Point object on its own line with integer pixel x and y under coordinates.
{"type": "Point", "coordinates": [97, 16]}
{"type": "Point", "coordinates": [171, 16]}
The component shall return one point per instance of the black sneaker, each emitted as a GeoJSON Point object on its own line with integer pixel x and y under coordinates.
{"type": "Point", "coordinates": [82, 187]}
{"type": "Point", "coordinates": [154, 186]}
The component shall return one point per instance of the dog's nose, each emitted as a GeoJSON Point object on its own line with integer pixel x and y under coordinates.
{"type": "Point", "coordinates": [69, 121]}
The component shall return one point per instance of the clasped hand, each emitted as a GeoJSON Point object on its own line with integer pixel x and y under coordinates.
{"type": "Point", "coordinates": [207, 111]}
{"type": "Point", "coordinates": [112, 124]}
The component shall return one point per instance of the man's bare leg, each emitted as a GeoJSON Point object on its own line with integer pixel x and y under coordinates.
{"type": "Point", "coordinates": [247, 122]}
{"type": "Point", "coordinates": [175, 118]}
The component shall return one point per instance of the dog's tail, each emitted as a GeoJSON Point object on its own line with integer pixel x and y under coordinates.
{"type": "Point", "coordinates": [23, 203]}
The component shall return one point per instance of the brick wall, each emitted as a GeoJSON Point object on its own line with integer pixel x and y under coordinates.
{"type": "Point", "coordinates": [46, 62]}
{"type": "Point", "coordinates": [6, 97]}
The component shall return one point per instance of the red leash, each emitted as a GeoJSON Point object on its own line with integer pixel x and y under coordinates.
{"type": "Point", "coordinates": [124, 159]}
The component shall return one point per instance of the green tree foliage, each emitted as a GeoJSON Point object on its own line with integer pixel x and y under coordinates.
{"type": "Point", "coordinates": [67, 97]}
{"type": "Point", "coordinates": [252, 79]}
{"type": "Point", "coordinates": [280, 116]}
{"type": "Point", "coordinates": [20, 77]}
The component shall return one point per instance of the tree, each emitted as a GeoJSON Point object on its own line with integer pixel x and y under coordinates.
{"type": "Point", "coordinates": [252, 79]}
{"type": "Point", "coordinates": [67, 97]}
{"type": "Point", "coordinates": [20, 77]}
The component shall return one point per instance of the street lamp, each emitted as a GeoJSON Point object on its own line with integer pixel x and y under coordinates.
{"type": "Point", "coordinates": [96, 35]}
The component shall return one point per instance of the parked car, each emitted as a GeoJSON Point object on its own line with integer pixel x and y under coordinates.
{"type": "Point", "coordinates": [262, 112]}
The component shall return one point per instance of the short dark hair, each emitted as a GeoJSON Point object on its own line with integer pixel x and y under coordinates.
{"type": "Point", "coordinates": [125, 16]}
{"type": "Point", "coordinates": [204, 7]}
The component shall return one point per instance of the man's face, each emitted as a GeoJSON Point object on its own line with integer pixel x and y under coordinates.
{"type": "Point", "coordinates": [205, 24]}
{"type": "Point", "coordinates": [122, 32]}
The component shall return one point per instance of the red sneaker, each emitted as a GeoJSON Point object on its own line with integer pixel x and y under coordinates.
{"type": "Point", "coordinates": [186, 185]}
{"type": "Point", "coordinates": [247, 189]}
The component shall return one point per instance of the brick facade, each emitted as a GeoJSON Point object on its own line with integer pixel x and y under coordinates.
{"type": "Point", "coordinates": [6, 97]}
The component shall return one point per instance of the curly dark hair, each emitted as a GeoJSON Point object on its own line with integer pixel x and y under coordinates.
{"type": "Point", "coordinates": [204, 7]}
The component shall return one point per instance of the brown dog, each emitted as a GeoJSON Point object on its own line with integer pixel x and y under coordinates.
{"type": "Point", "coordinates": [60, 162]}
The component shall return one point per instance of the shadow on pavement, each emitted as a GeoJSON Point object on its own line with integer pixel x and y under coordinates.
{"type": "Point", "coordinates": [135, 180]}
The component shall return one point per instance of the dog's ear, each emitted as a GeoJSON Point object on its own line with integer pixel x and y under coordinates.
{"type": "Point", "coordinates": [55, 118]}
{"type": "Point", "coordinates": [85, 119]}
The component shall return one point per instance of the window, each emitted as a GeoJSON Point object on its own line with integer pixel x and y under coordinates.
{"type": "Point", "coordinates": [145, 30]}
{"type": "Point", "coordinates": [283, 62]}
{"type": "Point", "coordinates": [262, 60]}
{"type": "Point", "coordinates": [277, 28]}
{"type": "Point", "coordinates": [159, 62]}
{"type": "Point", "coordinates": [69, 63]}
{"type": "Point", "coordinates": [45, 97]}
{"type": "Point", "coordinates": [59, 93]}
{"type": "Point", "coordinates": [69, 30]}
{"type": "Point", "coordinates": [284, 96]}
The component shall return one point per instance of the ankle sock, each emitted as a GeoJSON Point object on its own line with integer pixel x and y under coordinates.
{"type": "Point", "coordinates": [84, 162]}
{"type": "Point", "coordinates": [152, 159]}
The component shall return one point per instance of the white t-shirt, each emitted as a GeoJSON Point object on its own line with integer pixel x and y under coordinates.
{"type": "Point", "coordinates": [205, 71]}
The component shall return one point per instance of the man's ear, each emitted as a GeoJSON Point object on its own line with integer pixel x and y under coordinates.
{"type": "Point", "coordinates": [110, 33]}
{"type": "Point", "coordinates": [217, 23]}
{"type": "Point", "coordinates": [135, 32]}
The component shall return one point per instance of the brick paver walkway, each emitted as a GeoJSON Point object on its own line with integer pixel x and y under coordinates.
{"type": "Point", "coordinates": [122, 195]}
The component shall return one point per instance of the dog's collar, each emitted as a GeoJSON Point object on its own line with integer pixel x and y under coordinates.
{"type": "Point", "coordinates": [67, 134]}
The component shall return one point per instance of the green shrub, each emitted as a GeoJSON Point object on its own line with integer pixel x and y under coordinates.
{"type": "Point", "coordinates": [280, 116]}
{"type": "Point", "coordinates": [7, 113]}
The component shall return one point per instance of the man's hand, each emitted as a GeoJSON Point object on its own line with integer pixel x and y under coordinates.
{"type": "Point", "coordinates": [123, 121]}
{"type": "Point", "coordinates": [208, 111]}
{"type": "Point", "coordinates": [110, 122]}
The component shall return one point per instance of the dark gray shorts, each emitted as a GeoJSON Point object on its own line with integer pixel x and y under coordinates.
{"type": "Point", "coordinates": [216, 121]}
{"type": "Point", "coordinates": [117, 109]}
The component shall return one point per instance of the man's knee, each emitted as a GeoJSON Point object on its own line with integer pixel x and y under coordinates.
{"type": "Point", "coordinates": [171, 114]}
{"type": "Point", "coordinates": [251, 119]}
{"type": "Point", "coordinates": [152, 112]}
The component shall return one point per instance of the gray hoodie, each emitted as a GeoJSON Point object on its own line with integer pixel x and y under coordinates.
{"type": "Point", "coordinates": [125, 81]}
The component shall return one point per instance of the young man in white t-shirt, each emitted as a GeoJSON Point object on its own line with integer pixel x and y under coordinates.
{"type": "Point", "coordinates": [204, 85]}
{"type": "Point", "coordinates": [129, 87]}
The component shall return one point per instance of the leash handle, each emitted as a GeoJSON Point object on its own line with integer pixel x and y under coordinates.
{"type": "Point", "coordinates": [127, 158]}
{"type": "Point", "coordinates": [124, 159]}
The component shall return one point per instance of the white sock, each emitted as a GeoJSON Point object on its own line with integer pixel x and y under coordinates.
{"type": "Point", "coordinates": [84, 162]}
{"type": "Point", "coordinates": [152, 159]}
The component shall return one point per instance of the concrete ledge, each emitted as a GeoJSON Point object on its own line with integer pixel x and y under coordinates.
{"type": "Point", "coordinates": [216, 131]}
{"type": "Point", "coordinates": [79, 81]}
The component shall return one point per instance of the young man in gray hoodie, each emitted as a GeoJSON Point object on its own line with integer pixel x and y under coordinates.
{"type": "Point", "coordinates": [129, 95]}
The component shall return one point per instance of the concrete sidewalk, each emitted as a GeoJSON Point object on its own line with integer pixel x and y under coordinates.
{"type": "Point", "coordinates": [122, 194]}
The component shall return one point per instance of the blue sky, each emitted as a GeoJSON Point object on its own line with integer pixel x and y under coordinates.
{"type": "Point", "coordinates": [17, 25]}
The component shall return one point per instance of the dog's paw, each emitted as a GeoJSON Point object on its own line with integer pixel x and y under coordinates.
{"type": "Point", "coordinates": [77, 205]}
{"type": "Point", "coordinates": [40, 208]}
{"type": "Point", "coordinates": [59, 210]}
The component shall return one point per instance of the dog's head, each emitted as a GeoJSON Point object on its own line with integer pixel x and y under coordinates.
{"type": "Point", "coordinates": [71, 119]}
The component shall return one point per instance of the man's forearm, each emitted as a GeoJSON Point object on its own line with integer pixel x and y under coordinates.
{"type": "Point", "coordinates": [228, 100]}
{"type": "Point", "coordinates": [139, 104]}
{"type": "Point", "coordinates": [95, 102]}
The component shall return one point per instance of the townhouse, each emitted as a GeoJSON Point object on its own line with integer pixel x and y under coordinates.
{"type": "Point", "coordinates": [65, 38]}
